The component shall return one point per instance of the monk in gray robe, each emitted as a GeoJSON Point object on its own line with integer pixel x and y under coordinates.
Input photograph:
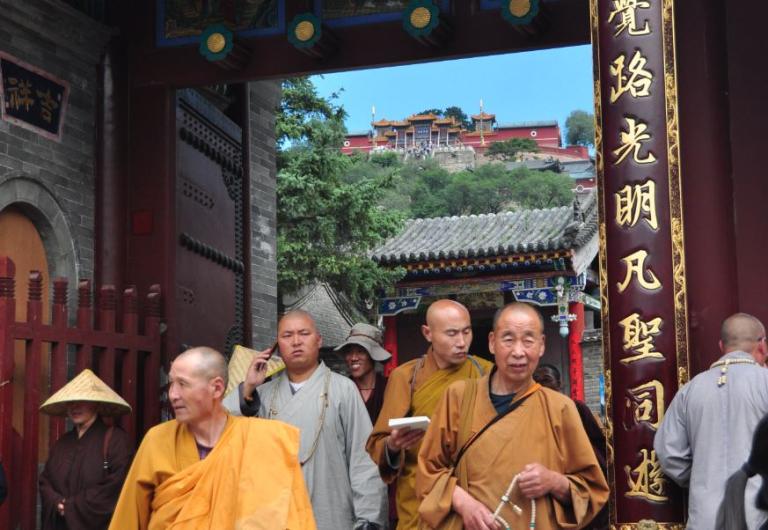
{"type": "Point", "coordinates": [706, 434]}
{"type": "Point", "coordinates": [343, 482]}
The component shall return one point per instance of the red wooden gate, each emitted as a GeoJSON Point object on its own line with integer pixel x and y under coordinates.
{"type": "Point", "coordinates": [123, 357]}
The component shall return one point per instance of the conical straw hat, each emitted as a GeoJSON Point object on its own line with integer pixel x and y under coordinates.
{"type": "Point", "coordinates": [241, 360]}
{"type": "Point", "coordinates": [86, 387]}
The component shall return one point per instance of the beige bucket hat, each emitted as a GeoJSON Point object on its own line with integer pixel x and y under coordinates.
{"type": "Point", "coordinates": [86, 387]}
{"type": "Point", "coordinates": [240, 361]}
{"type": "Point", "coordinates": [370, 338]}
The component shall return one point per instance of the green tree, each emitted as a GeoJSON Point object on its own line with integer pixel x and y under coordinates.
{"type": "Point", "coordinates": [326, 223]}
{"type": "Point", "coordinates": [510, 149]}
{"type": "Point", "coordinates": [424, 182]}
{"type": "Point", "coordinates": [436, 112]}
{"type": "Point", "coordinates": [580, 127]}
{"type": "Point", "coordinates": [540, 189]}
{"type": "Point", "coordinates": [484, 190]}
{"type": "Point", "coordinates": [460, 116]}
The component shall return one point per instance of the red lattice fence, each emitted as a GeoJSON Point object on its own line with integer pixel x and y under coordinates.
{"type": "Point", "coordinates": [124, 358]}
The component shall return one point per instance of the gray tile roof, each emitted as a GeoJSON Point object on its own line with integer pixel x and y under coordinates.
{"type": "Point", "coordinates": [535, 163]}
{"type": "Point", "coordinates": [334, 315]}
{"type": "Point", "coordinates": [501, 234]}
{"type": "Point", "coordinates": [580, 169]}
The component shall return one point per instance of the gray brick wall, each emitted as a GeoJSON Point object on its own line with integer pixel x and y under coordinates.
{"type": "Point", "coordinates": [57, 39]}
{"type": "Point", "coordinates": [592, 355]}
{"type": "Point", "coordinates": [264, 99]}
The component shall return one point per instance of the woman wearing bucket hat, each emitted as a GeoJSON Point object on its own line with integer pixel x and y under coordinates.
{"type": "Point", "coordinates": [87, 466]}
{"type": "Point", "coordinates": [361, 350]}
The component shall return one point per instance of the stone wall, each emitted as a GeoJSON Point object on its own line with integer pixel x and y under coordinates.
{"type": "Point", "coordinates": [53, 182]}
{"type": "Point", "coordinates": [592, 355]}
{"type": "Point", "coordinates": [264, 100]}
{"type": "Point", "coordinates": [454, 160]}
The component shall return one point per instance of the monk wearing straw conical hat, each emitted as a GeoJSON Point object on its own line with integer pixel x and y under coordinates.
{"type": "Point", "coordinates": [86, 468]}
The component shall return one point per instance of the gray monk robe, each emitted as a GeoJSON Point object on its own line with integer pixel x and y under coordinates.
{"type": "Point", "coordinates": [706, 435]}
{"type": "Point", "coordinates": [343, 482]}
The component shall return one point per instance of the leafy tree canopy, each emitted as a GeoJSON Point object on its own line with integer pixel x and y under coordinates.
{"type": "Point", "coordinates": [510, 149]}
{"type": "Point", "coordinates": [423, 189]}
{"type": "Point", "coordinates": [436, 112]}
{"type": "Point", "coordinates": [580, 128]}
{"type": "Point", "coordinates": [327, 221]}
{"type": "Point", "coordinates": [541, 189]}
{"type": "Point", "coordinates": [459, 115]}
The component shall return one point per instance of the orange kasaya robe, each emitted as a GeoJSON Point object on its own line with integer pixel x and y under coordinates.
{"type": "Point", "coordinates": [428, 387]}
{"type": "Point", "coordinates": [251, 480]}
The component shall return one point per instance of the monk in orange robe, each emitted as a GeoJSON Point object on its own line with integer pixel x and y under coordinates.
{"type": "Point", "coordinates": [414, 389]}
{"type": "Point", "coordinates": [504, 427]}
{"type": "Point", "coordinates": [207, 469]}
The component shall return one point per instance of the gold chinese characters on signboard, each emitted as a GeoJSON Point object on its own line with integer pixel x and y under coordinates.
{"type": "Point", "coordinates": [624, 17]}
{"type": "Point", "coordinates": [635, 267]}
{"type": "Point", "coordinates": [635, 201]}
{"type": "Point", "coordinates": [646, 403]}
{"type": "Point", "coordinates": [646, 480]}
{"type": "Point", "coordinates": [638, 338]}
{"type": "Point", "coordinates": [632, 77]}
{"type": "Point", "coordinates": [632, 140]}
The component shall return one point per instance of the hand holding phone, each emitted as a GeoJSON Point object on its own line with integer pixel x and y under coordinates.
{"type": "Point", "coordinates": [257, 371]}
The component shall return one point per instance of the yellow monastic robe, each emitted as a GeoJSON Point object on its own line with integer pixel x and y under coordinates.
{"type": "Point", "coordinates": [251, 480]}
{"type": "Point", "coordinates": [429, 385]}
{"type": "Point", "coordinates": [545, 429]}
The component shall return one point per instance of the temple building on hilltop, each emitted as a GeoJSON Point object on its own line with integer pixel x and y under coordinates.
{"type": "Point", "coordinates": [426, 133]}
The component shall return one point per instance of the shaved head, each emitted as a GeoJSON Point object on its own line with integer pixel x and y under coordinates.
{"type": "Point", "coordinates": [299, 342]}
{"type": "Point", "coordinates": [449, 331]}
{"type": "Point", "coordinates": [298, 313]}
{"type": "Point", "coordinates": [208, 362]}
{"type": "Point", "coordinates": [442, 308]}
{"type": "Point", "coordinates": [741, 332]}
{"type": "Point", "coordinates": [518, 306]}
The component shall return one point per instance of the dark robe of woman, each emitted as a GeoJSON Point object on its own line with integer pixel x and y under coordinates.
{"type": "Point", "coordinates": [373, 406]}
{"type": "Point", "coordinates": [376, 399]}
{"type": "Point", "coordinates": [597, 439]}
{"type": "Point", "coordinates": [75, 472]}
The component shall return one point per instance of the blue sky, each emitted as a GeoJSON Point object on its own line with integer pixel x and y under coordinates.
{"type": "Point", "coordinates": [539, 85]}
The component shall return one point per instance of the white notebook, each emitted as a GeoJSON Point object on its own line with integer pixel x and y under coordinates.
{"type": "Point", "coordinates": [415, 422]}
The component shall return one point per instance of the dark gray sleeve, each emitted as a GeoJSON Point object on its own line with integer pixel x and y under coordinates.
{"type": "Point", "coordinates": [249, 408]}
{"type": "Point", "coordinates": [3, 485]}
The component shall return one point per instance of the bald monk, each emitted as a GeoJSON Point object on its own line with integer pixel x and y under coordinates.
{"type": "Point", "coordinates": [207, 469]}
{"type": "Point", "coordinates": [414, 389]}
{"type": "Point", "coordinates": [706, 433]}
{"type": "Point", "coordinates": [504, 425]}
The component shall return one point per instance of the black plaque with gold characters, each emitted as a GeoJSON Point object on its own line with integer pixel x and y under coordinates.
{"type": "Point", "coordinates": [32, 98]}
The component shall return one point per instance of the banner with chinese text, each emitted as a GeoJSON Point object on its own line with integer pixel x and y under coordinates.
{"type": "Point", "coordinates": [642, 252]}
